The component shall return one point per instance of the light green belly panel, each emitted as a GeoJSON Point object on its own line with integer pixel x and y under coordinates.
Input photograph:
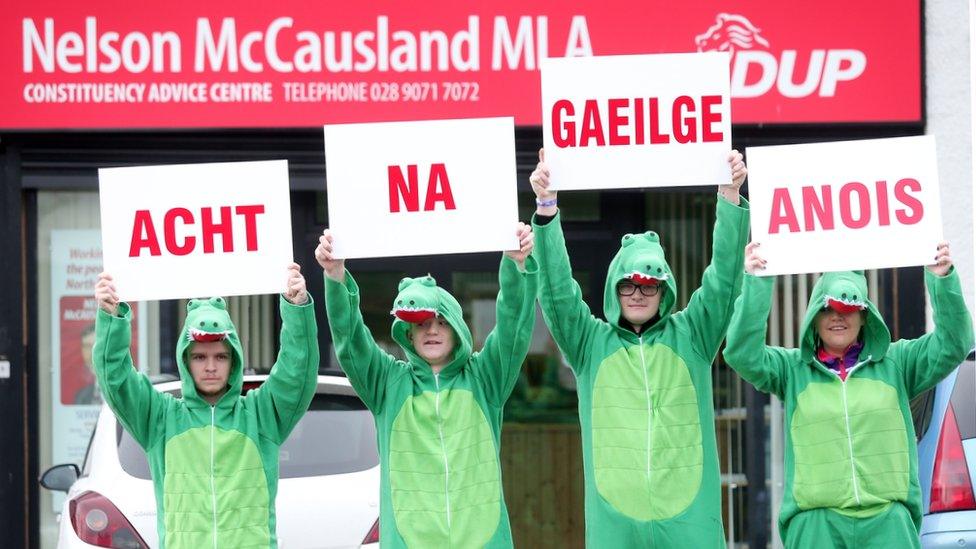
{"type": "Point", "coordinates": [238, 487]}
{"type": "Point", "coordinates": [647, 441]}
{"type": "Point", "coordinates": [444, 472]}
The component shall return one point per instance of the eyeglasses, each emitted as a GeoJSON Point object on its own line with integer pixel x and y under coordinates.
{"type": "Point", "coordinates": [628, 288]}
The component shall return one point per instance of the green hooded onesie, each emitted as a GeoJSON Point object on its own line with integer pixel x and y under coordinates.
{"type": "Point", "coordinates": [214, 468]}
{"type": "Point", "coordinates": [851, 464]}
{"type": "Point", "coordinates": [645, 401]}
{"type": "Point", "coordinates": [438, 435]}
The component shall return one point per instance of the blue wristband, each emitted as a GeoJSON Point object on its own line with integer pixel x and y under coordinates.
{"type": "Point", "coordinates": [545, 203]}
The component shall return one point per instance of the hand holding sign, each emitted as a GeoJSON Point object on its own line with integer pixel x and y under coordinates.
{"type": "Point", "coordinates": [105, 294]}
{"type": "Point", "coordinates": [545, 198]}
{"type": "Point", "coordinates": [296, 293]}
{"type": "Point", "coordinates": [526, 243]}
{"type": "Point", "coordinates": [754, 262]}
{"type": "Point", "coordinates": [943, 261]}
{"type": "Point", "coordinates": [334, 268]}
{"type": "Point", "coordinates": [738, 168]}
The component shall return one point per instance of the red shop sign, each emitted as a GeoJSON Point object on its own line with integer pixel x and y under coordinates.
{"type": "Point", "coordinates": [223, 63]}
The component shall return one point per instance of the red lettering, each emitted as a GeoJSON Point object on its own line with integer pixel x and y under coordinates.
{"type": "Point", "coordinates": [710, 117]}
{"type": "Point", "coordinates": [783, 212]}
{"type": "Point", "coordinates": [823, 208]}
{"type": "Point", "coordinates": [406, 189]}
{"type": "Point", "coordinates": [225, 229]}
{"type": "Point", "coordinates": [863, 204]}
{"type": "Point", "coordinates": [563, 133]}
{"type": "Point", "coordinates": [143, 224]}
{"type": "Point", "coordinates": [617, 120]}
{"type": "Point", "coordinates": [917, 210]}
{"type": "Point", "coordinates": [685, 130]}
{"type": "Point", "coordinates": [881, 191]}
{"type": "Point", "coordinates": [655, 120]}
{"type": "Point", "coordinates": [250, 214]}
{"type": "Point", "coordinates": [169, 231]}
{"type": "Point", "coordinates": [638, 121]}
{"type": "Point", "coordinates": [438, 179]}
{"type": "Point", "coordinates": [592, 126]}
{"type": "Point", "coordinates": [627, 121]}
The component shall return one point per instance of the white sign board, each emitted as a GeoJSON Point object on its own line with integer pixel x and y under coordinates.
{"type": "Point", "coordinates": [418, 188]}
{"type": "Point", "coordinates": [196, 230]}
{"type": "Point", "coordinates": [845, 205]}
{"type": "Point", "coordinates": [637, 120]}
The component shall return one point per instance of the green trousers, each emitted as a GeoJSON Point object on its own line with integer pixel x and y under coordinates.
{"type": "Point", "coordinates": [824, 529]}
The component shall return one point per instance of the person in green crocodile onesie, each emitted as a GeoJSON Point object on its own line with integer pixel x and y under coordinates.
{"type": "Point", "coordinates": [439, 413]}
{"type": "Point", "coordinates": [213, 453]}
{"type": "Point", "coordinates": [851, 465]}
{"type": "Point", "coordinates": [644, 377]}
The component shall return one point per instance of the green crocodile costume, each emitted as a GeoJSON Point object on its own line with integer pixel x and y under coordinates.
{"type": "Point", "coordinates": [214, 468]}
{"type": "Point", "coordinates": [439, 435]}
{"type": "Point", "coordinates": [645, 401]}
{"type": "Point", "coordinates": [851, 464]}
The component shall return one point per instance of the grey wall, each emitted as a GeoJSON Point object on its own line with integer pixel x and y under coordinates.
{"type": "Point", "coordinates": [948, 105]}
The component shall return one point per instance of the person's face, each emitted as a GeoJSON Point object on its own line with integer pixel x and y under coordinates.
{"type": "Point", "coordinates": [838, 330]}
{"type": "Point", "coordinates": [433, 339]}
{"type": "Point", "coordinates": [210, 367]}
{"type": "Point", "coordinates": [87, 342]}
{"type": "Point", "coordinates": [641, 304]}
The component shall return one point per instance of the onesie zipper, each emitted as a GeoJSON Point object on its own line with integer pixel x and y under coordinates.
{"type": "Point", "coordinates": [213, 486]}
{"type": "Point", "coordinates": [440, 432]}
{"type": "Point", "coordinates": [647, 395]}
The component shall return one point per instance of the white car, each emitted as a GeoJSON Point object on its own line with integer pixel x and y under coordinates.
{"type": "Point", "coordinates": [328, 488]}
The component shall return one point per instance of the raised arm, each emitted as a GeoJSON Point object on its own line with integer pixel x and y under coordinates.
{"type": "Point", "coordinates": [137, 405]}
{"type": "Point", "coordinates": [765, 367]}
{"type": "Point", "coordinates": [568, 317]}
{"type": "Point", "coordinates": [366, 365]}
{"type": "Point", "coordinates": [497, 365]}
{"type": "Point", "coordinates": [710, 307]}
{"type": "Point", "coordinates": [928, 359]}
{"type": "Point", "coordinates": [289, 389]}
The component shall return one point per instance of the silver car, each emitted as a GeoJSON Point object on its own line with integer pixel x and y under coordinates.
{"type": "Point", "coordinates": [946, 426]}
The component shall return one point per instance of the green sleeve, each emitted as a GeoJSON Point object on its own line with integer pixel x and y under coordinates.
{"type": "Point", "coordinates": [566, 314]}
{"type": "Point", "coordinates": [763, 366]}
{"type": "Point", "coordinates": [282, 400]}
{"type": "Point", "coordinates": [498, 364]}
{"type": "Point", "coordinates": [928, 359]}
{"type": "Point", "coordinates": [130, 394]}
{"type": "Point", "coordinates": [366, 365]}
{"type": "Point", "coordinates": [710, 307]}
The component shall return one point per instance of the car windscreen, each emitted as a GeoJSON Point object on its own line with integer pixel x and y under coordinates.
{"type": "Point", "coordinates": [336, 436]}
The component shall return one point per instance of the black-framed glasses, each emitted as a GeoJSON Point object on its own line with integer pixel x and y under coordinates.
{"type": "Point", "coordinates": [628, 288]}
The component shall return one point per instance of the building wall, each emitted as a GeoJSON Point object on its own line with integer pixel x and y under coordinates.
{"type": "Point", "coordinates": [948, 105]}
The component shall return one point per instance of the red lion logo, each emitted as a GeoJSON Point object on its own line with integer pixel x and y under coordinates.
{"type": "Point", "coordinates": [730, 32]}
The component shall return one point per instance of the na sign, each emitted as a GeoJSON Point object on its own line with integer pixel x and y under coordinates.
{"type": "Point", "coordinates": [196, 230]}
{"type": "Point", "coordinates": [845, 205]}
{"type": "Point", "coordinates": [417, 188]}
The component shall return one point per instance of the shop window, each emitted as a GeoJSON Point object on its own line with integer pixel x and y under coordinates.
{"type": "Point", "coordinates": [68, 401]}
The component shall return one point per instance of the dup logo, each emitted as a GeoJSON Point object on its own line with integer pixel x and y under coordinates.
{"type": "Point", "coordinates": [752, 58]}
